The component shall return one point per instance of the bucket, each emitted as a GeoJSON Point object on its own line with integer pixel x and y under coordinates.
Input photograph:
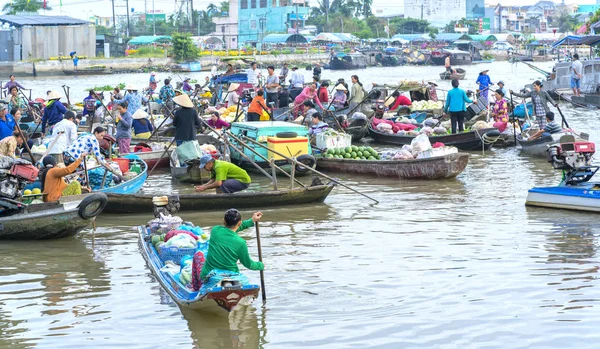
{"type": "Point", "coordinates": [123, 164]}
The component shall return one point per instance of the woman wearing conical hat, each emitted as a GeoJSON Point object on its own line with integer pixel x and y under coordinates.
{"type": "Point", "coordinates": [185, 120]}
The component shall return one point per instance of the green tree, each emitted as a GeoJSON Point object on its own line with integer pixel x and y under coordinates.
{"type": "Point", "coordinates": [16, 6]}
{"type": "Point", "coordinates": [224, 7]}
{"type": "Point", "coordinates": [183, 47]}
{"type": "Point", "coordinates": [212, 9]}
{"type": "Point", "coordinates": [409, 25]}
{"type": "Point", "coordinates": [205, 23]}
{"type": "Point", "coordinates": [473, 25]}
{"type": "Point", "coordinates": [566, 22]}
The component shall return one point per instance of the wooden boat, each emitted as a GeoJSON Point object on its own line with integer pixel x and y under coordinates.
{"type": "Point", "coordinates": [473, 140]}
{"type": "Point", "coordinates": [457, 57]}
{"type": "Point", "coordinates": [142, 203]}
{"type": "Point", "coordinates": [188, 174]}
{"type": "Point", "coordinates": [459, 74]}
{"type": "Point", "coordinates": [152, 157]}
{"type": "Point", "coordinates": [343, 61]}
{"type": "Point", "coordinates": [88, 71]}
{"type": "Point", "coordinates": [50, 220]}
{"type": "Point", "coordinates": [220, 294]}
{"type": "Point", "coordinates": [447, 166]}
{"type": "Point", "coordinates": [538, 147]}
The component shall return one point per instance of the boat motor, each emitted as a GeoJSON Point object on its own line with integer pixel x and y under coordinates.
{"type": "Point", "coordinates": [575, 158]}
{"type": "Point", "coordinates": [15, 174]}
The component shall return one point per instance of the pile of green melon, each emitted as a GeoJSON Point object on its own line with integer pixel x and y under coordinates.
{"type": "Point", "coordinates": [352, 153]}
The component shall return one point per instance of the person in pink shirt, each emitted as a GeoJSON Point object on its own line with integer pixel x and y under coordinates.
{"type": "Point", "coordinates": [309, 93]}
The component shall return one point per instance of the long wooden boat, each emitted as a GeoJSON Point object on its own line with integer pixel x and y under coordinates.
{"type": "Point", "coordinates": [51, 220]}
{"type": "Point", "coordinates": [473, 140]}
{"type": "Point", "coordinates": [538, 147]}
{"type": "Point", "coordinates": [142, 203]}
{"type": "Point", "coordinates": [152, 157]}
{"type": "Point", "coordinates": [447, 166]}
{"type": "Point", "coordinates": [102, 71]}
{"type": "Point", "coordinates": [459, 74]}
{"type": "Point", "coordinates": [220, 294]}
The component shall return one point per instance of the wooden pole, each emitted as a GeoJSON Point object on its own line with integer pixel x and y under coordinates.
{"type": "Point", "coordinates": [294, 162]}
{"type": "Point", "coordinates": [514, 119]}
{"type": "Point", "coordinates": [87, 178]}
{"type": "Point", "coordinates": [274, 173]}
{"type": "Point", "coordinates": [262, 273]}
{"type": "Point", "coordinates": [25, 142]}
{"type": "Point", "coordinates": [163, 154]}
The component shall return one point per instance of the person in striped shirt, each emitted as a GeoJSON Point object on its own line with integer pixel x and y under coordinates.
{"type": "Point", "coordinates": [550, 128]}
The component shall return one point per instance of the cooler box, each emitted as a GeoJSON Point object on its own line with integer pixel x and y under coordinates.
{"type": "Point", "coordinates": [291, 147]}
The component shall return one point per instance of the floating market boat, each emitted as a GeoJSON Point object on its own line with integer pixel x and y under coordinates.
{"type": "Point", "coordinates": [133, 185]}
{"type": "Point", "coordinates": [142, 203]}
{"type": "Point", "coordinates": [342, 61]}
{"type": "Point", "coordinates": [538, 147]}
{"type": "Point", "coordinates": [89, 71]}
{"type": "Point", "coordinates": [50, 220]}
{"type": "Point", "coordinates": [459, 74]}
{"type": "Point", "coordinates": [220, 294]}
{"type": "Point", "coordinates": [446, 166]}
{"type": "Point", "coordinates": [151, 158]}
{"type": "Point", "coordinates": [472, 140]}
{"type": "Point", "coordinates": [457, 57]}
{"type": "Point", "coordinates": [575, 191]}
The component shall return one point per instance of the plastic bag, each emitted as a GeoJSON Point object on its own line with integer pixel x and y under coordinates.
{"type": "Point", "coordinates": [430, 122]}
{"type": "Point", "coordinates": [427, 131]}
{"type": "Point", "coordinates": [403, 154]}
{"type": "Point", "coordinates": [440, 130]}
{"type": "Point", "coordinates": [385, 128]}
{"type": "Point", "coordinates": [420, 144]}
{"type": "Point", "coordinates": [188, 150]}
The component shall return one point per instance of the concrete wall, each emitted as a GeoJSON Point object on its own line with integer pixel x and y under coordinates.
{"type": "Point", "coordinates": [45, 42]}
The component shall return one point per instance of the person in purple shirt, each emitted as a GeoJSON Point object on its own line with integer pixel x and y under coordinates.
{"type": "Point", "coordinates": [186, 87]}
{"type": "Point", "coordinates": [12, 83]}
{"type": "Point", "coordinates": [216, 122]}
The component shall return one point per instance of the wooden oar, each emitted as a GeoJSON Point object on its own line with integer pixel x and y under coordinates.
{"type": "Point", "coordinates": [25, 142]}
{"type": "Point", "coordinates": [294, 162]}
{"type": "Point", "coordinates": [52, 144]}
{"type": "Point", "coordinates": [163, 154]}
{"type": "Point", "coordinates": [262, 273]}
{"type": "Point", "coordinates": [87, 176]}
{"type": "Point", "coordinates": [565, 123]}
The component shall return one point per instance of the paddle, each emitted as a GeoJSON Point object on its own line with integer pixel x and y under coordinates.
{"type": "Point", "coordinates": [85, 169]}
{"type": "Point", "coordinates": [262, 273]}
{"type": "Point", "coordinates": [52, 144]}
{"type": "Point", "coordinates": [25, 142]}
{"type": "Point", "coordinates": [163, 154]}
{"type": "Point", "coordinates": [564, 121]}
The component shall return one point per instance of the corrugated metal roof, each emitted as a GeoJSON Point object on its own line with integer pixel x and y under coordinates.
{"type": "Point", "coordinates": [284, 39]}
{"type": "Point", "coordinates": [36, 20]}
{"type": "Point", "coordinates": [412, 37]}
{"type": "Point", "coordinates": [147, 40]}
{"type": "Point", "coordinates": [576, 40]}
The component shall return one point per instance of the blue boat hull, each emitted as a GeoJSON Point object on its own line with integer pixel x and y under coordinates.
{"type": "Point", "coordinates": [217, 299]}
{"type": "Point", "coordinates": [583, 197]}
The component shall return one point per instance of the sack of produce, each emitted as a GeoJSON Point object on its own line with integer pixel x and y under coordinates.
{"type": "Point", "coordinates": [440, 130]}
{"type": "Point", "coordinates": [446, 124]}
{"type": "Point", "coordinates": [430, 122]}
{"type": "Point", "coordinates": [480, 125]}
{"type": "Point", "coordinates": [188, 150]}
{"type": "Point", "coordinates": [385, 128]}
{"type": "Point", "coordinates": [407, 148]}
{"type": "Point", "coordinates": [420, 144]}
{"type": "Point", "coordinates": [403, 154]}
{"type": "Point", "coordinates": [427, 131]}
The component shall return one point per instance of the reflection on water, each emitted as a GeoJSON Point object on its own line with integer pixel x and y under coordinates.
{"type": "Point", "coordinates": [458, 263]}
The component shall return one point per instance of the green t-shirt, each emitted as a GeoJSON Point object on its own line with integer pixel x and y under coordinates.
{"type": "Point", "coordinates": [226, 247]}
{"type": "Point", "coordinates": [224, 170]}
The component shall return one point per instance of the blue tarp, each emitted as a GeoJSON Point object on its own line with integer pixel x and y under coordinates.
{"type": "Point", "coordinates": [577, 40]}
{"type": "Point", "coordinates": [227, 79]}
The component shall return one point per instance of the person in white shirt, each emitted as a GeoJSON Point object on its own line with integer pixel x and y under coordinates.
{"type": "Point", "coordinates": [297, 82]}
{"type": "Point", "coordinates": [576, 76]}
{"type": "Point", "coordinates": [69, 135]}
{"type": "Point", "coordinates": [233, 97]}
{"type": "Point", "coordinates": [214, 70]}
{"type": "Point", "coordinates": [253, 74]}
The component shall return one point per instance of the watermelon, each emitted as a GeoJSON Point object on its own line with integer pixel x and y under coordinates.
{"type": "Point", "coordinates": [359, 153]}
{"type": "Point", "coordinates": [348, 149]}
{"type": "Point", "coordinates": [371, 158]}
{"type": "Point", "coordinates": [354, 148]}
{"type": "Point", "coordinates": [347, 156]}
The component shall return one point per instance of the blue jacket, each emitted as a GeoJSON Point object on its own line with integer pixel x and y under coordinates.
{"type": "Point", "coordinates": [7, 127]}
{"type": "Point", "coordinates": [53, 114]}
{"type": "Point", "coordinates": [138, 127]}
{"type": "Point", "coordinates": [484, 81]}
{"type": "Point", "coordinates": [455, 100]}
{"type": "Point", "coordinates": [124, 126]}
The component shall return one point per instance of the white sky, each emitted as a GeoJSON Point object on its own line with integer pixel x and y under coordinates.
{"type": "Point", "coordinates": [83, 9]}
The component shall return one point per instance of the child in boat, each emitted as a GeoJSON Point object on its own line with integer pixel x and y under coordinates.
{"type": "Point", "coordinates": [226, 248]}
{"type": "Point", "coordinates": [550, 128]}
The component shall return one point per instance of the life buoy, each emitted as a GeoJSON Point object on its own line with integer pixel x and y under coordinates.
{"type": "Point", "coordinates": [287, 135]}
{"type": "Point", "coordinates": [92, 205]}
{"type": "Point", "coordinates": [304, 162]}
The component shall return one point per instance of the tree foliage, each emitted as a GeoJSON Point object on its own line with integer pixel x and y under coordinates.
{"type": "Point", "coordinates": [473, 26]}
{"type": "Point", "coordinates": [17, 6]}
{"type": "Point", "coordinates": [183, 47]}
{"type": "Point", "coordinates": [410, 25]}
{"type": "Point", "coordinates": [566, 22]}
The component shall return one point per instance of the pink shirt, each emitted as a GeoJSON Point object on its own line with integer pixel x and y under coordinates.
{"type": "Point", "coordinates": [308, 95]}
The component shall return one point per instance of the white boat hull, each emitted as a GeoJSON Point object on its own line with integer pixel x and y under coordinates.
{"type": "Point", "coordinates": [577, 198]}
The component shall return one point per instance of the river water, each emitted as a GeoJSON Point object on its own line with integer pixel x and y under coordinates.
{"type": "Point", "coordinates": [458, 263]}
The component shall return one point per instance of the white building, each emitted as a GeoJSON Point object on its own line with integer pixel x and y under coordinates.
{"type": "Point", "coordinates": [437, 12]}
{"type": "Point", "coordinates": [226, 28]}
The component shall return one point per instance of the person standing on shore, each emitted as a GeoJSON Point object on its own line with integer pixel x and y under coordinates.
{"type": "Point", "coordinates": [455, 106]}
{"type": "Point", "coordinates": [272, 85]}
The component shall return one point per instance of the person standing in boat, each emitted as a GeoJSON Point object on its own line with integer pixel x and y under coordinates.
{"type": "Point", "coordinates": [339, 97]}
{"type": "Point", "coordinates": [133, 99]}
{"type": "Point", "coordinates": [12, 83]}
{"type": "Point", "coordinates": [152, 83]}
{"type": "Point", "coordinates": [123, 122]}
{"type": "Point", "coordinates": [53, 112]}
{"type": "Point", "coordinates": [166, 95]}
{"type": "Point", "coordinates": [500, 111]}
{"type": "Point", "coordinates": [232, 95]}
{"type": "Point", "coordinates": [577, 74]}
{"type": "Point", "coordinates": [186, 87]}
{"type": "Point", "coordinates": [550, 128]}
{"type": "Point", "coordinates": [484, 82]}
{"type": "Point", "coordinates": [323, 93]}
{"type": "Point", "coordinates": [540, 100]}
{"type": "Point", "coordinates": [455, 106]}
{"type": "Point", "coordinates": [256, 107]}
{"type": "Point", "coordinates": [186, 119]}
{"type": "Point", "coordinates": [226, 177]}
{"type": "Point", "coordinates": [283, 74]}
{"type": "Point", "coordinates": [253, 75]}
{"type": "Point", "coordinates": [225, 249]}
{"type": "Point", "coordinates": [296, 82]}
{"type": "Point", "coordinates": [501, 87]}
{"type": "Point", "coordinates": [448, 66]}
{"type": "Point", "coordinates": [272, 86]}
{"type": "Point", "coordinates": [16, 101]}
{"type": "Point", "coordinates": [357, 94]}
{"type": "Point", "coordinates": [65, 134]}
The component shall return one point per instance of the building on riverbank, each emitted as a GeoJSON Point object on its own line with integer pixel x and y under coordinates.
{"type": "Point", "coordinates": [41, 37]}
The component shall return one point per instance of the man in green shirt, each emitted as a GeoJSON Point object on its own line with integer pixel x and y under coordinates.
{"type": "Point", "coordinates": [226, 177]}
{"type": "Point", "coordinates": [227, 247]}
